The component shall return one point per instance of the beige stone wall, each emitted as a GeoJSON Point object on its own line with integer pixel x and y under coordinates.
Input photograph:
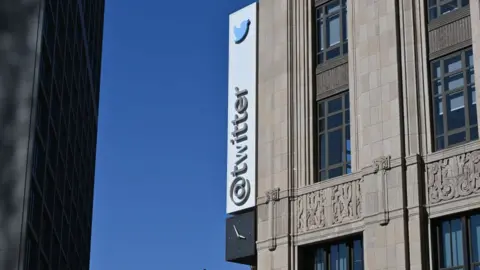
{"type": "Point", "coordinates": [396, 186]}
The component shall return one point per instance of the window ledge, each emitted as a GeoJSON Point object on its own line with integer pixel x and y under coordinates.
{"type": "Point", "coordinates": [452, 151]}
{"type": "Point", "coordinates": [449, 18]}
{"type": "Point", "coordinates": [328, 183]}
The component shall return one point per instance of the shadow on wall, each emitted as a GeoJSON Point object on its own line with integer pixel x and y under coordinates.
{"type": "Point", "coordinates": [18, 37]}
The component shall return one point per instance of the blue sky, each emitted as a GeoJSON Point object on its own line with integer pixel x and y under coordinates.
{"type": "Point", "coordinates": [161, 152]}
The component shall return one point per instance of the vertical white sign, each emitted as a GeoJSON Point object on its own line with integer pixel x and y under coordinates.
{"type": "Point", "coordinates": [242, 104]}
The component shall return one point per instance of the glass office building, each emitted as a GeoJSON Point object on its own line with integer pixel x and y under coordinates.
{"type": "Point", "coordinates": [50, 213]}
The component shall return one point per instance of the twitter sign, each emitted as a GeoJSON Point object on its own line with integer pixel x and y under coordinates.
{"type": "Point", "coordinates": [242, 110]}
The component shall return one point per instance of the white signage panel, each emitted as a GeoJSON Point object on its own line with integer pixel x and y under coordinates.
{"type": "Point", "coordinates": [242, 103]}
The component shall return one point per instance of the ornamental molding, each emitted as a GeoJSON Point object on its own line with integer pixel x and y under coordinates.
{"type": "Point", "coordinates": [329, 206]}
{"type": "Point", "coordinates": [453, 177]}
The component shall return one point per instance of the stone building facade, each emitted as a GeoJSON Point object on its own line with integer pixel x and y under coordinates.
{"type": "Point", "coordinates": [368, 150]}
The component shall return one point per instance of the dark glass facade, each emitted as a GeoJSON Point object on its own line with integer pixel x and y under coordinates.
{"type": "Point", "coordinates": [61, 189]}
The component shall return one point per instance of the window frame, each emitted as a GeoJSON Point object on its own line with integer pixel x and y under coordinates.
{"type": "Point", "coordinates": [345, 128]}
{"type": "Point", "coordinates": [342, 12]}
{"type": "Point", "coordinates": [311, 251]}
{"type": "Point", "coordinates": [437, 244]}
{"type": "Point", "coordinates": [445, 93]}
{"type": "Point", "coordinates": [437, 6]}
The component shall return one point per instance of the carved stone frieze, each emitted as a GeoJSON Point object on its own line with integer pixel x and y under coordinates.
{"type": "Point", "coordinates": [329, 206]}
{"type": "Point", "coordinates": [454, 177]}
{"type": "Point", "coordinates": [343, 203]}
{"type": "Point", "coordinates": [316, 210]}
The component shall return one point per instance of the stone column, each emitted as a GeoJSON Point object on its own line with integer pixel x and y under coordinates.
{"type": "Point", "coordinates": [376, 85]}
{"type": "Point", "coordinates": [475, 23]}
{"type": "Point", "coordinates": [273, 137]}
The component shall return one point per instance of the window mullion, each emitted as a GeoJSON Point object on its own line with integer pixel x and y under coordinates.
{"type": "Point", "coordinates": [465, 97]}
{"type": "Point", "coordinates": [444, 104]}
{"type": "Point", "coordinates": [438, 245]}
{"type": "Point", "coordinates": [344, 137]}
{"type": "Point", "coordinates": [324, 33]}
{"type": "Point", "coordinates": [466, 250]}
{"type": "Point", "coordinates": [326, 258]}
{"type": "Point", "coordinates": [340, 23]}
{"type": "Point", "coordinates": [451, 241]}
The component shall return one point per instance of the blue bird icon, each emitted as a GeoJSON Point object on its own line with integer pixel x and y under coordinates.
{"type": "Point", "coordinates": [241, 32]}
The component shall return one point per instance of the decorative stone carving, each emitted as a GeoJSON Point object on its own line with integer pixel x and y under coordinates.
{"type": "Point", "coordinates": [381, 166]}
{"type": "Point", "coordinates": [316, 210]}
{"type": "Point", "coordinates": [272, 196]}
{"type": "Point", "coordinates": [342, 202]}
{"type": "Point", "coordinates": [454, 177]}
{"type": "Point", "coordinates": [301, 214]}
{"type": "Point", "coordinates": [359, 198]}
{"type": "Point", "coordinates": [330, 206]}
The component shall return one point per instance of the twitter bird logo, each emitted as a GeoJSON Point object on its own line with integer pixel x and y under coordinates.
{"type": "Point", "coordinates": [240, 33]}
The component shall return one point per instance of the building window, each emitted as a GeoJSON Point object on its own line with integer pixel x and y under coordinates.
{"type": "Point", "coordinates": [453, 92]}
{"type": "Point", "coordinates": [437, 8]}
{"type": "Point", "coordinates": [457, 242]}
{"type": "Point", "coordinates": [333, 128]}
{"type": "Point", "coordinates": [342, 255]}
{"type": "Point", "coordinates": [331, 30]}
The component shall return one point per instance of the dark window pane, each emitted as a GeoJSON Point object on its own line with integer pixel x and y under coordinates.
{"type": "Point", "coordinates": [333, 53]}
{"type": "Point", "coordinates": [446, 258]}
{"type": "Point", "coordinates": [455, 111]}
{"type": "Point", "coordinates": [335, 147]}
{"type": "Point", "coordinates": [456, 138]}
{"type": "Point", "coordinates": [332, 7]}
{"type": "Point", "coordinates": [437, 87]}
{"type": "Point", "coordinates": [357, 255]}
{"type": "Point", "coordinates": [348, 144]}
{"type": "Point", "coordinates": [334, 257]}
{"type": "Point", "coordinates": [450, 6]}
{"type": "Point", "coordinates": [433, 13]}
{"type": "Point", "coordinates": [454, 81]}
{"type": "Point", "coordinates": [440, 143]}
{"type": "Point", "coordinates": [320, 36]}
{"type": "Point", "coordinates": [321, 109]}
{"type": "Point", "coordinates": [347, 117]}
{"type": "Point", "coordinates": [333, 30]}
{"type": "Point", "coordinates": [342, 257]}
{"type": "Point", "coordinates": [436, 71]}
{"type": "Point", "coordinates": [347, 101]}
{"type": "Point", "coordinates": [453, 64]}
{"type": "Point", "coordinates": [345, 48]}
{"type": "Point", "coordinates": [432, 3]}
{"type": "Point", "coordinates": [474, 133]}
{"type": "Point", "coordinates": [457, 242]}
{"type": "Point", "coordinates": [465, 2]}
{"type": "Point", "coordinates": [344, 24]}
{"type": "Point", "coordinates": [320, 58]}
{"type": "Point", "coordinates": [323, 175]}
{"type": "Point", "coordinates": [472, 101]}
{"type": "Point", "coordinates": [475, 238]}
{"type": "Point", "coordinates": [470, 76]}
{"type": "Point", "coordinates": [321, 125]}
{"type": "Point", "coordinates": [334, 105]}
{"type": "Point", "coordinates": [335, 172]}
{"type": "Point", "coordinates": [438, 112]}
{"type": "Point", "coordinates": [323, 151]}
{"type": "Point", "coordinates": [469, 58]}
{"type": "Point", "coordinates": [319, 259]}
{"type": "Point", "coordinates": [335, 120]}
